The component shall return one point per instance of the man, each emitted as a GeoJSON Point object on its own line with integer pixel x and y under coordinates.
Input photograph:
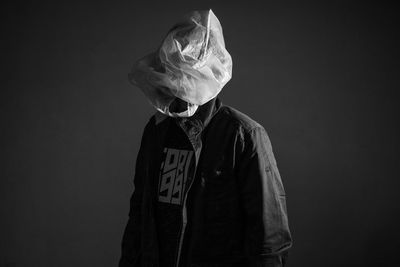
{"type": "Point", "coordinates": [207, 188]}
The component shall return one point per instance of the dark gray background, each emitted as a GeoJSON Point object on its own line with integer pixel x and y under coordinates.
{"type": "Point", "coordinates": [321, 78]}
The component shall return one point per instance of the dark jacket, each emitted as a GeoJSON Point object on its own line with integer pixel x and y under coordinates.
{"type": "Point", "coordinates": [235, 212]}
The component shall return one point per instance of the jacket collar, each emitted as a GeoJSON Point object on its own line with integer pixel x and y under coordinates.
{"type": "Point", "coordinates": [199, 120]}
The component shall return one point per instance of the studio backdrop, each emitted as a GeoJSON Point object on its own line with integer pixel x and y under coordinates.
{"type": "Point", "coordinates": [320, 77]}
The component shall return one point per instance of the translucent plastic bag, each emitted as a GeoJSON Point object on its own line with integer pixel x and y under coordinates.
{"type": "Point", "coordinates": [191, 64]}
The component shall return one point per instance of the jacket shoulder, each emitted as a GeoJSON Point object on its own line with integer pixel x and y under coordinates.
{"type": "Point", "coordinates": [239, 118]}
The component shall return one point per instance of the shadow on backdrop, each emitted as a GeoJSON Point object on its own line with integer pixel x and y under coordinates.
{"type": "Point", "coordinates": [321, 78]}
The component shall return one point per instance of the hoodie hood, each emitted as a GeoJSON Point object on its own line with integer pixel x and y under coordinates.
{"type": "Point", "coordinates": [191, 64]}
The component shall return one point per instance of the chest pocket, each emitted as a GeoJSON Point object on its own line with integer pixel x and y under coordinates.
{"type": "Point", "coordinates": [218, 177]}
{"type": "Point", "coordinates": [220, 195]}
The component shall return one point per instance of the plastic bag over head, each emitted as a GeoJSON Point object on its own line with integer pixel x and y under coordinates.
{"type": "Point", "coordinates": [191, 64]}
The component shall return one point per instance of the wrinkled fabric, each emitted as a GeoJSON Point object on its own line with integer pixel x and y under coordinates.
{"type": "Point", "coordinates": [191, 64]}
{"type": "Point", "coordinates": [236, 208]}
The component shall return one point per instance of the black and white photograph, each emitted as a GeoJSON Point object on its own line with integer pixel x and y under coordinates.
{"type": "Point", "coordinates": [199, 134]}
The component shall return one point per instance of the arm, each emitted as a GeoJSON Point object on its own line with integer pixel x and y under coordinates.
{"type": "Point", "coordinates": [267, 234]}
{"type": "Point", "coordinates": [131, 240]}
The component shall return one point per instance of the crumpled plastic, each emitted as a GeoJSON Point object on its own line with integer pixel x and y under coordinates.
{"type": "Point", "coordinates": [191, 64]}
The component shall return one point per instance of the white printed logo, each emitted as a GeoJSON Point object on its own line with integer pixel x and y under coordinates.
{"type": "Point", "coordinates": [173, 175]}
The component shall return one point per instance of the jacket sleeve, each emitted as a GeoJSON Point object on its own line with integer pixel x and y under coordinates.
{"type": "Point", "coordinates": [267, 234]}
{"type": "Point", "coordinates": [131, 240]}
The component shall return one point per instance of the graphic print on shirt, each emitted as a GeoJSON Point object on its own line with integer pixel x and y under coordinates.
{"type": "Point", "coordinates": [173, 175]}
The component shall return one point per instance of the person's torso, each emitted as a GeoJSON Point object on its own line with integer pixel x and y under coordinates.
{"type": "Point", "coordinates": [176, 171]}
{"type": "Point", "coordinates": [214, 231]}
